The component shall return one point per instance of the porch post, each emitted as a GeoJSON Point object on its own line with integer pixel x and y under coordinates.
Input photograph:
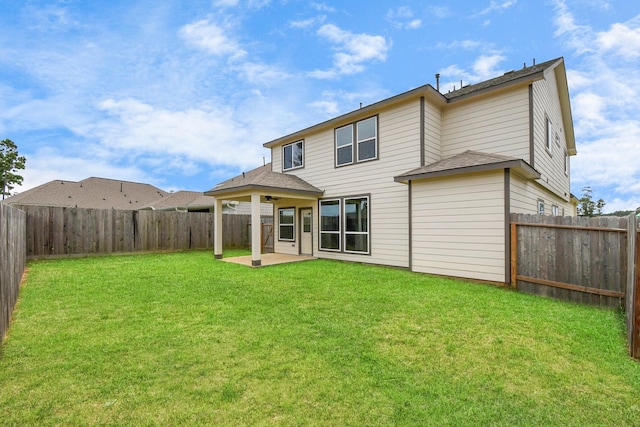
{"type": "Point", "coordinates": [217, 229]}
{"type": "Point", "coordinates": [256, 228]}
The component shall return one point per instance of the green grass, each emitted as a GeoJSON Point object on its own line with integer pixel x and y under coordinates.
{"type": "Point", "coordinates": [182, 339]}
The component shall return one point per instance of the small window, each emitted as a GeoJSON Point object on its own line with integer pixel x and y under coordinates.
{"type": "Point", "coordinates": [357, 142]}
{"type": "Point", "coordinates": [367, 137]}
{"type": "Point", "coordinates": [330, 225]}
{"type": "Point", "coordinates": [566, 163]}
{"type": "Point", "coordinates": [292, 156]}
{"type": "Point", "coordinates": [555, 211]}
{"type": "Point", "coordinates": [540, 207]}
{"type": "Point", "coordinates": [286, 223]}
{"type": "Point", "coordinates": [344, 145]}
{"type": "Point", "coordinates": [549, 136]}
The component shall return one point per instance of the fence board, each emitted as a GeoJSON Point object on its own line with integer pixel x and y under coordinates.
{"type": "Point", "coordinates": [12, 261]}
{"type": "Point", "coordinates": [68, 231]}
{"type": "Point", "coordinates": [575, 259]}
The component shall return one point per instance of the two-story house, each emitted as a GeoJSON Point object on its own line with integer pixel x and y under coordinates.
{"type": "Point", "coordinates": [421, 180]}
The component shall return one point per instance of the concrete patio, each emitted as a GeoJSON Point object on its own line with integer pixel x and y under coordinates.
{"type": "Point", "coordinates": [268, 259]}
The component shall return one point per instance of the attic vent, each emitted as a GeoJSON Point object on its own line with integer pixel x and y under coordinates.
{"type": "Point", "coordinates": [509, 72]}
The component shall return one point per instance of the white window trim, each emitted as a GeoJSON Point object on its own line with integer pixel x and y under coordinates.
{"type": "Point", "coordinates": [292, 225]}
{"type": "Point", "coordinates": [367, 233]}
{"type": "Point", "coordinates": [301, 142]}
{"type": "Point", "coordinates": [321, 232]}
{"type": "Point", "coordinates": [540, 207]}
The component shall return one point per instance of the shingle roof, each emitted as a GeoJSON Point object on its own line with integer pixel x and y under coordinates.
{"type": "Point", "coordinates": [93, 193]}
{"type": "Point", "coordinates": [467, 162]}
{"type": "Point", "coordinates": [511, 76]}
{"type": "Point", "coordinates": [182, 200]}
{"type": "Point", "coordinates": [263, 178]}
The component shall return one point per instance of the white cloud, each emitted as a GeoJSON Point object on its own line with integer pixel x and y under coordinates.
{"type": "Point", "coordinates": [213, 38]}
{"type": "Point", "coordinates": [494, 6]}
{"type": "Point", "coordinates": [352, 51]}
{"type": "Point", "coordinates": [307, 23]}
{"type": "Point", "coordinates": [484, 68]}
{"type": "Point", "coordinates": [604, 83]}
{"type": "Point", "coordinates": [403, 17]}
{"type": "Point", "coordinates": [621, 40]}
{"type": "Point", "coordinates": [439, 11]}
{"type": "Point", "coordinates": [323, 7]}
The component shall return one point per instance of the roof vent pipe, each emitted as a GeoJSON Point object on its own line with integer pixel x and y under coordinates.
{"type": "Point", "coordinates": [534, 61]}
{"type": "Point", "coordinates": [438, 82]}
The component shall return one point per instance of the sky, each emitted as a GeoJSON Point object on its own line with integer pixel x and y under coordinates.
{"type": "Point", "coordinates": [182, 95]}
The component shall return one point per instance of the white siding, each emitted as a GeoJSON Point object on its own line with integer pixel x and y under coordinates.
{"type": "Point", "coordinates": [550, 163]}
{"type": "Point", "coordinates": [288, 247]}
{"type": "Point", "coordinates": [497, 124]}
{"type": "Point", "coordinates": [432, 133]}
{"type": "Point", "coordinates": [458, 226]}
{"type": "Point", "coordinates": [398, 152]}
{"type": "Point", "coordinates": [525, 195]}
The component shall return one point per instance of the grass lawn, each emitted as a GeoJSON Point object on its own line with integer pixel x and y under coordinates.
{"type": "Point", "coordinates": [182, 339]}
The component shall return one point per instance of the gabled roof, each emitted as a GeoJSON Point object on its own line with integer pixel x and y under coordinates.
{"type": "Point", "coordinates": [526, 74]}
{"type": "Point", "coordinates": [523, 76]}
{"type": "Point", "coordinates": [181, 200]}
{"type": "Point", "coordinates": [92, 193]}
{"type": "Point", "coordinates": [468, 162]}
{"type": "Point", "coordinates": [263, 179]}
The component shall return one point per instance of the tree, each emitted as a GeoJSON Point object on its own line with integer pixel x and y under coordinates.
{"type": "Point", "coordinates": [10, 163]}
{"type": "Point", "coordinates": [588, 207]}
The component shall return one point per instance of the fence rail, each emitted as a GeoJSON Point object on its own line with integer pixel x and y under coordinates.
{"type": "Point", "coordinates": [585, 260]}
{"type": "Point", "coordinates": [56, 231]}
{"type": "Point", "coordinates": [12, 261]}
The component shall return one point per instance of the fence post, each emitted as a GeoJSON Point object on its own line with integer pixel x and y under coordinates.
{"type": "Point", "coordinates": [632, 300]}
{"type": "Point", "coordinates": [635, 348]}
{"type": "Point", "coordinates": [514, 255]}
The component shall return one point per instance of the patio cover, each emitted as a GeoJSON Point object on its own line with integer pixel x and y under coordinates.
{"type": "Point", "coordinates": [260, 185]}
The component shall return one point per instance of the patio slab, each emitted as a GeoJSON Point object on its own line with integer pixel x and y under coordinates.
{"type": "Point", "coordinates": [268, 259]}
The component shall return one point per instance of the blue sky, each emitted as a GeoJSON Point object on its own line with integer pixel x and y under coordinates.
{"type": "Point", "coordinates": [182, 95]}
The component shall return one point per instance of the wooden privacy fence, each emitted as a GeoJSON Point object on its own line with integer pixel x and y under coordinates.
{"type": "Point", "coordinates": [585, 260]}
{"type": "Point", "coordinates": [55, 231]}
{"type": "Point", "coordinates": [12, 261]}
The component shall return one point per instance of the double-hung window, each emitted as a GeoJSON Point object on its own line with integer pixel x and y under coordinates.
{"type": "Point", "coordinates": [330, 225]}
{"type": "Point", "coordinates": [286, 217]}
{"type": "Point", "coordinates": [357, 142]}
{"type": "Point", "coordinates": [293, 156]}
{"type": "Point", "coordinates": [549, 136]}
{"type": "Point", "coordinates": [344, 225]}
{"type": "Point", "coordinates": [356, 225]}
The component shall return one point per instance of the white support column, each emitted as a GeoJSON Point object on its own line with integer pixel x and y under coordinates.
{"type": "Point", "coordinates": [256, 229]}
{"type": "Point", "coordinates": [217, 230]}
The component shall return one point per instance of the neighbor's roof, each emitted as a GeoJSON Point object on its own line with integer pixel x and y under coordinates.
{"type": "Point", "coordinates": [263, 179]}
{"type": "Point", "coordinates": [92, 193]}
{"type": "Point", "coordinates": [468, 162]}
{"type": "Point", "coordinates": [181, 200]}
{"type": "Point", "coordinates": [522, 76]}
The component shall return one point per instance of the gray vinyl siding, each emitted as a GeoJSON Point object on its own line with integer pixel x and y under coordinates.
{"type": "Point", "coordinates": [497, 124]}
{"type": "Point", "coordinates": [398, 151]}
{"type": "Point", "coordinates": [550, 163]}
{"type": "Point", "coordinates": [458, 226]}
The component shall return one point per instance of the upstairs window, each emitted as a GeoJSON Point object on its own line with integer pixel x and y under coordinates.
{"type": "Point", "coordinates": [540, 207]}
{"type": "Point", "coordinates": [344, 145]}
{"type": "Point", "coordinates": [293, 156]}
{"type": "Point", "coordinates": [549, 136]}
{"type": "Point", "coordinates": [357, 142]}
{"type": "Point", "coordinates": [367, 134]}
